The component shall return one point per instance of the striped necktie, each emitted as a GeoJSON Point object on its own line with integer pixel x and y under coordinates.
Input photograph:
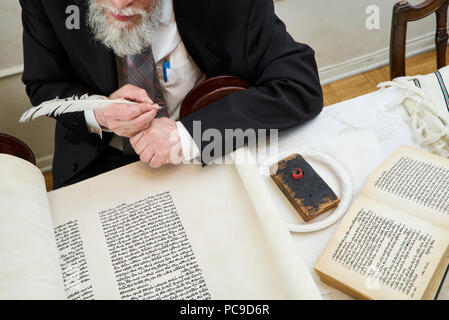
{"type": "Point", "coordinates": [140, 71]}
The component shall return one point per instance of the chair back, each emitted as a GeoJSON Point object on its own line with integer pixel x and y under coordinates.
{"type": "Point", "coordinates": [403, 12]}
{"type": "Point", "coordinates": [13, 146]}
{"type": "Point", "coordinates": [209, 91]}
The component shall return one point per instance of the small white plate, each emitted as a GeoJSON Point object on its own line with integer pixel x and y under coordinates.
{"type": "Point", "coordinates": [331, 171]}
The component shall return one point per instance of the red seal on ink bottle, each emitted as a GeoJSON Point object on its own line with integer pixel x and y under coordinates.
{"type": "Point", "coordinates": [297, 174]}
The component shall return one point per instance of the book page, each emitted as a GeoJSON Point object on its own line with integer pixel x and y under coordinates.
{"type": "Point", "coordinates": [415, 182]}
{"type": "Point", "coordinates": [182, 232]}
{"type": "Point", "coordinates": [382, 253]}
{"type": "Point", "coordinates": [29, 260]}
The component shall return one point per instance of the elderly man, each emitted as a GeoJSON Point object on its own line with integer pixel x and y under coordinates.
{"type": "Point", "coordinates": [153, 52]}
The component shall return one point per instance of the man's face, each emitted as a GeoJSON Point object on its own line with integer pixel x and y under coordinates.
{"type": "Point", "coordinates": [126, 13]}
{"type": "Point", "coordinates": [126, 26]}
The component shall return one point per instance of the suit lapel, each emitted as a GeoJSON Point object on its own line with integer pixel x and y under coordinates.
{"type": "Point", "coordinates": [99, 61]}
{"type": "Point", "coordinates": [197, 36]}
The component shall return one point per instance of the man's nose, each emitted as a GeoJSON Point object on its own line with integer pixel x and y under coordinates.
{"type": "Point", "coordinates": [120, 4]}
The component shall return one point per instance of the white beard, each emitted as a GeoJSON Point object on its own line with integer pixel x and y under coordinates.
{"type": "Point", "coordinates": [117, 35]}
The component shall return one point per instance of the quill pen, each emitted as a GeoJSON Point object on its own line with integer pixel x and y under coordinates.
{"type": "Point", "coordinates": [57, 106]}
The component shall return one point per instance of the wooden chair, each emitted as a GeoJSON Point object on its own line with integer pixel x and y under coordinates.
{"type": "Point", "coordinates": [403, 12]}
{"type": "Point", "coordinates": [209, 91]}
{"type": "Point", "coordinates": [13, 146]}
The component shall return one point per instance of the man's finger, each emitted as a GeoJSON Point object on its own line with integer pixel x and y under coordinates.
{"type": "Point", "coordinates": [136, 138]}
{"type": "Point", "coordinates": [155, 162]}
{"type": "Point", "coordinates": [143, 121]}
{"type": "Point", "coordinates": [147, 155]}
{"type": "Point", "coordinates": [149, 107]}
{"type": "Point", "coordinates": [133, 111]}
{"type": "Point", "coordinates": [141, 145]}
{"type": "Point", "coordinates": [136, 94]}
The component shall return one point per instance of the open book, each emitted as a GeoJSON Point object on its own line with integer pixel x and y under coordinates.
{"type": "Point", "coordinates": [394, 241]}
{"type": "Point", "coordinates": [183, 232]}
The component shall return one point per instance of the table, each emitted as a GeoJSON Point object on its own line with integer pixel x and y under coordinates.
{"type": "Point", "coordinates": [360, 133]}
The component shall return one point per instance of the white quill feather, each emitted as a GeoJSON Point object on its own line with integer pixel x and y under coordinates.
{"type": "Point", "coordinates": [73, 104]}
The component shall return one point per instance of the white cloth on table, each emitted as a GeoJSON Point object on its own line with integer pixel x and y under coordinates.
{"type": "Point", "coordinates": [426, 100]}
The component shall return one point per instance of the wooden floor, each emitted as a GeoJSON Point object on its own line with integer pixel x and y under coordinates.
{"type": "Point", "coordinates": [48, 181]}
{"type": "Point", "coordinates": [358, 85]}
{"type": "Point", "coordinates": [366, 82]}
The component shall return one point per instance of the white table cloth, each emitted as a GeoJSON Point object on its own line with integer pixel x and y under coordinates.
{"type": "Point", "coordinates": [360, 133]}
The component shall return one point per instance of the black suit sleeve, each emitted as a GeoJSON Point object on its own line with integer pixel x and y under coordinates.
{"type": "Point", "coordinates": [47, 70]}
{"type": "Point", "coordinates": [285, 89]}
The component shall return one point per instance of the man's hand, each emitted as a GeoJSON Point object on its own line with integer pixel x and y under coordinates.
{"type": "Point", "coordinates": [159, 144]}
{"type": "Point", "coordinates": [127, 120]}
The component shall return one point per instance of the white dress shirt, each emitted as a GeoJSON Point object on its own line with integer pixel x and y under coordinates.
{"type": "Point", "coordinates": [182, 76]}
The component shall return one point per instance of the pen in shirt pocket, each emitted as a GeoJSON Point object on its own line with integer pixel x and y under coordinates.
{"type": "Point", "coordinates": [166, 66]}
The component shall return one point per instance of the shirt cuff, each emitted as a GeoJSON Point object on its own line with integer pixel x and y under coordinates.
{"type": "Point", "coordinates": [92, 124]}
{"type": "Point", "coordinates": [190, 150]}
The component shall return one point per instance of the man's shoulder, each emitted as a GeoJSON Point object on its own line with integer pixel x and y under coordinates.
{"type": "Point", "coordinates": [217, 10]}
{"type": "Point", "coordinates": [229, 6]}
{"type": "Point", "coordinates": [222, 17]}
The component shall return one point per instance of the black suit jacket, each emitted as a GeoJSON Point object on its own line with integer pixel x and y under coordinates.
{"type": "Point", "coordinates": [239, 37]}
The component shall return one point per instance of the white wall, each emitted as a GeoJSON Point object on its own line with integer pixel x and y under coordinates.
{"type": "Point", "coordinates": [38, 134]}
{"type": "Point", "coordinates": [336, 30]}
{"type": "Point", "coordinates": [10, 37]}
